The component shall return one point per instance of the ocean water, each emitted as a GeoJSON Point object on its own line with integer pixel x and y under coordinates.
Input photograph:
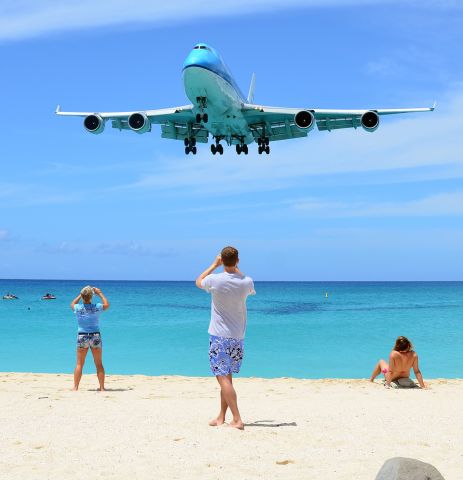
{"type": "Point", "coordinates": [158, 328]}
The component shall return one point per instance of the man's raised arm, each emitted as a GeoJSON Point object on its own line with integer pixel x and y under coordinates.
{"type": "Point", "coordinates": [216, 263]}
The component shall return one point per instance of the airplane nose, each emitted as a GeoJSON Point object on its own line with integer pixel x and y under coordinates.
{"type": "Point", "coordinates": [191, 59]}
{"type": "Point", "coordinates": [200, 57]}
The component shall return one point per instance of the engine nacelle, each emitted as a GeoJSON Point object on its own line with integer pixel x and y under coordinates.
{"type": "Point", "coordinates": [139, 122]}
{"type": "Point", "coordinates": [304, 120]}
{"type": "Point", "coordinates": [370, 121]}
{"type": "Point", "coordinates": [94, 124]}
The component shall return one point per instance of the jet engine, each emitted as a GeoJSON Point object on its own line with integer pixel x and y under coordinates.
{"type": "Point", "coordinates": [94, 124]}
{"type": "Point", "coordinates": [139, 123]}
{"type": "Point", "coordinates": [304, 120]}
{"type": "Point", "coordinates": [370, 121]}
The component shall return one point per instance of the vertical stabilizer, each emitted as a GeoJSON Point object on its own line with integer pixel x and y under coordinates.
{"type": "Point", "coordinates": [251, 88]}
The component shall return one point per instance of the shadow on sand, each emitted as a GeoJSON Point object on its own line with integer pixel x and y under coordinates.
{"type": "Point", "coordinates": [269, 423]}
{"type": "Point", "coordinates": [110, 389]}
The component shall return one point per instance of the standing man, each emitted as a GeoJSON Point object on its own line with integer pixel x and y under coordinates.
{"type": "Point", "coordinates": [229, 291]}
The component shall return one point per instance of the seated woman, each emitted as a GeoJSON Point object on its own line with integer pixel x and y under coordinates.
{"type": "Point", "coordinates": [401, 360]}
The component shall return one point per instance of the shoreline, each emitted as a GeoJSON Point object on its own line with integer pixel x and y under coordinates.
{"type": "Point", "coordinates": [428, 380]}
{"type": "Point", "coordinates": [145, 426]}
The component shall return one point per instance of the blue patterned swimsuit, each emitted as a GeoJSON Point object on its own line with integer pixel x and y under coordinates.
{"type": "Point", "coordinates": [225, 355]}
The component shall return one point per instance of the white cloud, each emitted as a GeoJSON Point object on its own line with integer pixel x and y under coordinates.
{"type": "Point", "coordinates": [445, 204]}
{"type": "Point", "coordinates": [29, 18]}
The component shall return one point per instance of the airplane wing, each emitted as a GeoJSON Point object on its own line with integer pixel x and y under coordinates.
{"type": "Point", "coordinates": [279, 123]}
{"type": "Point", "coordinates": [176, 123]}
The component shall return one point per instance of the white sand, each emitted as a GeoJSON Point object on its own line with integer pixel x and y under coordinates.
{"type": "Point", "coordinates": [156, 427]}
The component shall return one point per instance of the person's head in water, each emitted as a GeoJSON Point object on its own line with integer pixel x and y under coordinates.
{"type": "Point", "coordinates": [87, 294]}
{"type": "Point", "coordinates": [229, 257]}
{"type": "Point", "coordinates": [403, 344]}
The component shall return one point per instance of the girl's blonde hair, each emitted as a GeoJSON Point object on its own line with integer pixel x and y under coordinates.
{"type": "Point", "coordinates": [87, 293]}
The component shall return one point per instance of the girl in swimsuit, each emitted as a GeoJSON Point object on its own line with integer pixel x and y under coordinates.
{"type": "Point", "coordinates": [401, 360]}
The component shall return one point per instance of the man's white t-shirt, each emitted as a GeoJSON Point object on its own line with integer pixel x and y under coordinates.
{"type": "Point", "coordinates": [228, 309]}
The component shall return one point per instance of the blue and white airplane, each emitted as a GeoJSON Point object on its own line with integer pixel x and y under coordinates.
{"type": "Point", "coordinates": [221, 110]}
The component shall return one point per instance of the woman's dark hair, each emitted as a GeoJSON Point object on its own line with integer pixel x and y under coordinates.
{"type": "Point", "coordinates": [403, 344]}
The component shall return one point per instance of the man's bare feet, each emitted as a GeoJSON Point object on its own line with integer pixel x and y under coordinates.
{"type": "Point", "coordinates": [74, 389]}
{"type": "Point", "coordinates": [239, 425]}
{"type": "Point", "coordinates": [217, 422]}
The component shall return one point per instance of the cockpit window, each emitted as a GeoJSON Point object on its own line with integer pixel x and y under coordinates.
{"type": "Point", "coordinates": [202, 47]}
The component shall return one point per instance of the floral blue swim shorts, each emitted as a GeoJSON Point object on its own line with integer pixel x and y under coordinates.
{"type": "Point", "coordinates": [225, 355]}
{"type": "Point", "coordinates": [92, 340]}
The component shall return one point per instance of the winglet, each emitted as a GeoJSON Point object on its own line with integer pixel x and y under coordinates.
{"type": "Point", "coordinates": [434, 106]}
{"type": "Point", "coordinates": [251, 89]}
{"type": "Point", "coordinates": [58, 109]}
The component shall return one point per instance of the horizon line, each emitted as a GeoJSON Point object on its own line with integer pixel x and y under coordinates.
{"type": "Point", "coordinates": [259, 281]}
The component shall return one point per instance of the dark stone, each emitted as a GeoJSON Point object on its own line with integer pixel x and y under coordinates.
{"type": "Point", "coordinates": [400, 468]}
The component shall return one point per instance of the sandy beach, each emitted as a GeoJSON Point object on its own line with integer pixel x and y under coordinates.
{"type": "Point", "coordinates": [157, 427]}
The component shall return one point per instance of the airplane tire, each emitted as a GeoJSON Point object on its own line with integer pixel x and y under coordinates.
{"type": "Point", "coordinates": [220, 149]}
{"type": "Point", "coordinates": [198, 118]}
{"type": "Point", "coordinates": [205, 118]}
{"type": "Point", "coordinates": [194, 150]}
{"type": "Point", "coordinates": [260, 150]}
{"type": "Point", "coordinates": [267, 141]}
{"type": "Point", "coordinates": [245, 149]}
{"type": "Point", "coordinates": [267, 149]}
{"type": "Point", "coordinates": [238, 148]}
{"type": "Point", "coordinates": [213, 149]}
{"type": "Point", "coordinates": [186, 142]}
{"type": "Point", "coordinates": [259, 141]}
{"type": "Point", "coordinates": [193, 142]}
{"type": "Point", "coordinates": [187, 150]}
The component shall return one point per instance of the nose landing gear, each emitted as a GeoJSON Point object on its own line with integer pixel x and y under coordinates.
{"type": "Point", "coordinates": [202, 104]}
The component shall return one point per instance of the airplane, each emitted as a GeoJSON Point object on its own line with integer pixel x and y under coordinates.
{"type": "Point", "coordinates": [219, 109]}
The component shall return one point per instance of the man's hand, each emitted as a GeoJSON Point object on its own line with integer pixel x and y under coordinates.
{"type": "Point", "coordinates": [218, 261]}
{"type": "Point", "coordinates": [96, 290]}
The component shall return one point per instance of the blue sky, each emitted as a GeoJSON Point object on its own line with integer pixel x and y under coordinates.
{"type": "Point", "coordinates": [345, 205]}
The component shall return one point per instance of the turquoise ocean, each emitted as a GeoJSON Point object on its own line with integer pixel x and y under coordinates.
{"type": "Point", "coordinates": [293, 330]}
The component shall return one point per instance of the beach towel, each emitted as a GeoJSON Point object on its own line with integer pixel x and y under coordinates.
{"type": "Point", "coordinates": [402, 383]}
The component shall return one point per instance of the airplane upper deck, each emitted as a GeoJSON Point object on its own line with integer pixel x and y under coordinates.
{"type": "Point", "coordinates": [205, 56]}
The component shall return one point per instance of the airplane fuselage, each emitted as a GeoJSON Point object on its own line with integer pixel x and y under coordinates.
{"type": "Point", "coordinates": [205, 76]}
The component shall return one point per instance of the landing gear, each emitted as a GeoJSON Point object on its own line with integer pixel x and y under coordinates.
{"type": "Point", "coordinates": [189, 142]}
{"type": "Point", "coordinates": [217, 148]}
{"type": "Point", "coordinates": [263, 149]}
{"type": "Point", "coordinates": [263, 145]}
{"type": "Point", "coordinates": [204, 117]}
{"type": "Point", "coordinates": [242, 148]}
{"type": "Point", "coordinates": [202, 104]}
{"type": "Point", "coordinates": [190, 145]}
